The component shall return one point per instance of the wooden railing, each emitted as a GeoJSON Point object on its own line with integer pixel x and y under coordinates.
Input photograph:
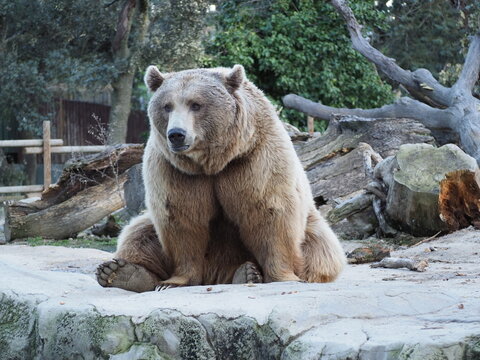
{"type": "Point", "coordinates": [45, 146]}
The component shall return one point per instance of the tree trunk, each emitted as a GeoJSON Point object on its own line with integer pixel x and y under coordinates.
{"type": "Point", "coordinates": [120, 109]}
{"type": "Point", "coordinates": [122, 86]}
{"type": "Point", "coordinates": [445, 111]}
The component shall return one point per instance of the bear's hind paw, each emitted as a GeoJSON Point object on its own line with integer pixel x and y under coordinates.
{"type": "Point", "coordinates": [247, 273]}
{"type": "Point", "coordinates": [121, 274]}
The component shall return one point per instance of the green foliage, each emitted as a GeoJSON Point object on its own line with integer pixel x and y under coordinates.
{"type": "Point", "coordinates": [428, 33]}
{"type": "Point", "coordinates": [300, 47]}
{"type": "Point", "coordinates": [49, 46]}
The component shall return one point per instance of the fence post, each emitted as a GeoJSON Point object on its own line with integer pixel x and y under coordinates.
{"type": "Point", "coordinates": [47, 160]}
{"type": "Point", "coordinates": [310, 124]}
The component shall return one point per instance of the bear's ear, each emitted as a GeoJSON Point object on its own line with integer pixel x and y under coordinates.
{"type": "Point", "coordinates": [153, 78]}
{"type": "Point", "coordinates": [235, 78]}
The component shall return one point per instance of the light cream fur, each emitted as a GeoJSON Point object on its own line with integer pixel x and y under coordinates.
{"type": "Point", "coordinates": [237, 193]}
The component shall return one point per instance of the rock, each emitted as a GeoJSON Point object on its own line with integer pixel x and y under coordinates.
{"type": "Point", "coordinates": [109, 228]}
{"type": "Point", "coordinates": [49, 312]}
{"type": "Point", "coordinates": [134, 190]}
{"type": "Point", "coordinates": [412, 200]}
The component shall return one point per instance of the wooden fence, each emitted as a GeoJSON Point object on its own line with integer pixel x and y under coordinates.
{"type": "Point", "coordinates": [45, 146]}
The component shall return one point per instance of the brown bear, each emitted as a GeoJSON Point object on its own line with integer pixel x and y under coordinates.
{"type": "Point", "coordinates": [224, 187]}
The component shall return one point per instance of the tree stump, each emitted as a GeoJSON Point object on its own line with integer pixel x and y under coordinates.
{"type": "Point", "coordinates": [412, 201]}
{"type": "Point", "coordinates": [459, 199]}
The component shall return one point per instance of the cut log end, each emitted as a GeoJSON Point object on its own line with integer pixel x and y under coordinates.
{"type": "Point", "coordinates": [459, 199]}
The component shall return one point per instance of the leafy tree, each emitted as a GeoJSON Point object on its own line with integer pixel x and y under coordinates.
{"type": "Point", "coordinates": [428, 33]}
{"type": "Point", "coordinates": [47, 44]}
{"type": "Point", "coordinates": [298, 46]}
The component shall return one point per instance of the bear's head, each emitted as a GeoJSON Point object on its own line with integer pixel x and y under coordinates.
{"type": "Point", "coordinates": [198, 118]}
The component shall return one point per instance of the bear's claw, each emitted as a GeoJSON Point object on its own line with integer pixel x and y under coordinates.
{"type": "Point", "coordinates": [247, 273]}
{"type": "Point", "coordinates": [165, 286]}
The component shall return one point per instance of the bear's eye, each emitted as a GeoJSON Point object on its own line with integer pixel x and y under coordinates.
{"type": "Point", "coordinates": [195, 107]}
{"type": "Point", "coordinates": [168, 108]}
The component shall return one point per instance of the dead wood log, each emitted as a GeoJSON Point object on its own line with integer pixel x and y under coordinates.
{"type": "Point", "coordinates": [350, 207]}
{"type": "Point", "coordinates": [459, 199]}
{"type": "Point", "coordinates": [66, 219]}
{"type": "Point", "coordinates": [87, 191]}
{"type": "Point", "coordinates": [335, 162]}
{"type": "Point", "coordinates": [91, 171]}
{"type": "Point", "coordinates": [398, 263]}
{"type": "Point", "coordinates": [340, 166]}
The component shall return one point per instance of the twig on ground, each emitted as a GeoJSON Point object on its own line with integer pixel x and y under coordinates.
{"type": "Point", "coordinates": [427, 239]}
{"type": "Point", "coordinates": [398, 263]}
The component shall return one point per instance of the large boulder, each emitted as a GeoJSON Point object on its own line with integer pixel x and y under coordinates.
{"type": "Point", "coordinates": [413, 182]}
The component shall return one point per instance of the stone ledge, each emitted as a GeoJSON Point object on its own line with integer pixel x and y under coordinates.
{"type": "Point", "coordinates": [52, 308]}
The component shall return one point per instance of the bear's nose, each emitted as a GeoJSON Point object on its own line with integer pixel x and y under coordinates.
{"type": "Point", "coordinates": [176, 136]}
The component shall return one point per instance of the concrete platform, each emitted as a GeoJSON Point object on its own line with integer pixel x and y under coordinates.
{"type": "Point", "coordinates": [52, 308]}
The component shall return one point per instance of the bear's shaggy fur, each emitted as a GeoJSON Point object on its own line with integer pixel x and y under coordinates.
{"type": "Point", "coordinates": [223, 186]}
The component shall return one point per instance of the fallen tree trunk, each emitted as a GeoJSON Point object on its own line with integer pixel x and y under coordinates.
{"type": "Point", "coordinates": [339, 166]}
{"type": "Point", "coordinates": [87, 191]}
{"type": "Point", "coordinates": [66, 219]}
{"type": "Point", "coordinates": [91, 171]}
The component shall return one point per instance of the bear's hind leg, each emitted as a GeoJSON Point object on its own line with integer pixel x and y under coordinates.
{"type": "Point", "coordinates": [140, 263]}
{"type": "Point", "coordinates": [323, 255]}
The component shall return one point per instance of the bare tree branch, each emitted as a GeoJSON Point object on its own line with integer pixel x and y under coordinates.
{"type": "Point", "coordinates": [404, 107]}
{"type": "Point", "coordinates": [420, 84]}
{"type": "Point", "coordinates": [471, 68]}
